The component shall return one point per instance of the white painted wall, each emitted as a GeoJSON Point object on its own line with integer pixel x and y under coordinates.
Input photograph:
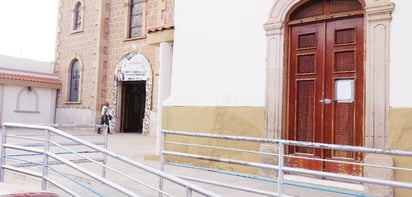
{"type": "Point", "coordinates": [31, 110]}
{"type": "Point", "coordinates": [75, 116]}
{"type": "Point", "coordinates": [39, 106]}
{"type": "Point", "coordinates": [26, 65]}
{"type": "Point", "coordinates": [401, 55]}
{"type": "Point", "coordinates": [219, 53]}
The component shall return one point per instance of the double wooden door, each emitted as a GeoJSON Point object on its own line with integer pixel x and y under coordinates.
{"type": "Point", "coordinates": [325, 92]}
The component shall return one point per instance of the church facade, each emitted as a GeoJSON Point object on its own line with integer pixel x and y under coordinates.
{"type": "Point", "coordinates": [331, 71]}
{"type": "Point", "coordinates": [112, 51]}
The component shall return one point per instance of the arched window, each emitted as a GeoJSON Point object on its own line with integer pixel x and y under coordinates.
{"type": "Point", "coordinates": [136, 19]}
{"type": "Point", "coordinates": [74, 81]}
{"type": "Point", "coordinates": [77, 22]}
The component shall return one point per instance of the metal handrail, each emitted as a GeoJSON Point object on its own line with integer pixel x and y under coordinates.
{"type": "Point", "coordinates": [294, 143]}
{"type": "Point", "coordinates": [288, 156]}
{"type": "Point", "coordinates": [190, 187]}
{"type": "Point", "coordinates": [105, 137]}
{"type": "Point", "coordinates": [280, 167]}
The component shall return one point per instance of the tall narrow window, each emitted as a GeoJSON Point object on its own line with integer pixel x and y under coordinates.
{"type": "Point", "coordinates": [136, 18]}
{"type": "Point", "coordinates": [74, 81]}
{"type": "Point", "coordinates": [77, 16]}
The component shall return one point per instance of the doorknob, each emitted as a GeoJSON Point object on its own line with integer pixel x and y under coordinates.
{"type": "Point", "coordinates": [325, 101]}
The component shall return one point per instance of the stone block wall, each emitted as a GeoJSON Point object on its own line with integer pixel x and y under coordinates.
{"type": "Point", "coordinates": [99, 45]}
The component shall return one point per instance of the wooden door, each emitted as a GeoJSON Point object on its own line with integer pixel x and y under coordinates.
{"type": "Point", "coordinates": [325, 99]}
{"type": "Point", "coordinates": [306, 86]}
{"type": "Point", "coordinates": [133, 106]}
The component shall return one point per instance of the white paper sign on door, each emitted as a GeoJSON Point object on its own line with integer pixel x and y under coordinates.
{"type": "Point", "coordinates": [344, 90]}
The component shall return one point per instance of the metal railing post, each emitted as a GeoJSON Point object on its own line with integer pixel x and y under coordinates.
{"type": "Point", "coordinates": [45, 160]}
{"type": "Point", "coordinates": [188, 192]}
{"type": "Point", "coordinates": [3, 153]}
{"type": "Point", "coordinates": [280, 171]}
{"type": "Point", "coordinates": [105, 147]}
{"type": "Point", "coordinates": [162, 160]}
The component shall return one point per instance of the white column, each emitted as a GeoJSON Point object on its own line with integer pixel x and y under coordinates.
{"type": "Point", "coordinates": [165, 74]}
{"type": "Point", "coordinates": [274, 80]}
{"type": "Point", "coordinates": [378, 18]}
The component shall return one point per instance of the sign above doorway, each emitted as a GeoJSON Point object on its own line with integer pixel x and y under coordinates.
{"type": "Point", "coordinates": [134, 67]}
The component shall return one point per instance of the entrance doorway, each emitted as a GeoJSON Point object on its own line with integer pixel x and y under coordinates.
{"type": "Point", "coordinates": [326, 91]}
{"type": "Point", "coordinates": [133, 106]}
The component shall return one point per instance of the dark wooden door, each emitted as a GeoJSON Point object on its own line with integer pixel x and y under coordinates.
{"type": "Point", "coordinates": [133, 106]}
{"type": "Point", "coordinates": [325, 99]}
{"type": "Point", "coordinates": [306, 86]}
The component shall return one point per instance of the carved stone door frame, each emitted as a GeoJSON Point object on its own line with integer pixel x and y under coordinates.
{"type": "Point", "coordinates": [377, 42]}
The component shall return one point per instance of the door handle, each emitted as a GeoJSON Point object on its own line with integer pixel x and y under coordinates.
{"type": "Point", "coordinates": [325, 101]}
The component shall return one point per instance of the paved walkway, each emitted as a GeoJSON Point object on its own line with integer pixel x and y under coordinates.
{"type": "Point", "coordinates": [137, 147]}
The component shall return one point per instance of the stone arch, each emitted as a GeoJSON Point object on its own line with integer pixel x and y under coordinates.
{"type": "Point", "coordinates": [27, 100]}
{"type": "Point", "coordinates": [377, 28]}
{"type": "Point", "coordinates": [117, 76]}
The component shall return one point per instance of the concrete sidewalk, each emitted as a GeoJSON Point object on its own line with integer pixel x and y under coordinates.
{"type": "Point", "coordinates": [142, 149]}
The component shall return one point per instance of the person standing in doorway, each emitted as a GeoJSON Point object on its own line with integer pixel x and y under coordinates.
{"type": "Point", "coordinates": [105, 118]}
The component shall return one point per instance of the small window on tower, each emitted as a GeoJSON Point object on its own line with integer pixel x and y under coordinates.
{"type": "Point", "coordinates": [136, 19]}
{"type": "Point", "coordinates": [77, 22]}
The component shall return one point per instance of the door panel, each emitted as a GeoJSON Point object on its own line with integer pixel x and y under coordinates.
{"type": "Point", "coordinates": [344, 73]}
{"type": "Point", "coordinates": [325, 93]}
{"type": "Point", "coordinates": [305, 90]}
